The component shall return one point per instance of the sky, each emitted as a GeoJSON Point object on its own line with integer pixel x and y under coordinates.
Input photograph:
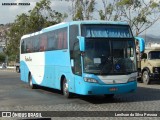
{"type": "Point", "coordinates": [8, 13]}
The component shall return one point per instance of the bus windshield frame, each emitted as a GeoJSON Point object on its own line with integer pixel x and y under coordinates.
{"type": "Point", "coordinates": [154, 55]}
{"type": "Point", "coordinates": [118, 37]}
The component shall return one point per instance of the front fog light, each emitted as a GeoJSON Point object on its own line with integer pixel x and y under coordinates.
{"type": "Point", "coordinates": [132, 79]}
{"type": "Point", "coordinates": [90, 80]}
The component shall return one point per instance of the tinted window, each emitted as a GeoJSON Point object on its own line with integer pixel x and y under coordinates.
{"type": "Point", "coordinates": [51, 41]}
{"type": "Point", "coordinates": [36, 43]}
{"type": "Point", "coordinates": [29, 46]}
{"type": "Point", "coordinates": [62, 38]}
{"type": "Point", "coordinates": [154, 55]}
{"type": "Point", "coordinates": [73, 33]}
{"type": "Point", "coordinates": [54, 40]}
{"type": "Point", "coordinates": [104, 30]}
{"type": "Point", "coordinates": [22, 47]}
{"type": "Point", "coordinates": [43, 42]}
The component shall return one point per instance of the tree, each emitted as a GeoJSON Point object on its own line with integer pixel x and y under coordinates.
{"type": "Point", "coordinates": [16, 31]}
{"type": "Point", "coordinates": [109, 11]}
{"type": "Point", "coordinates": [39, 17]}
{"type": "Point", "coordinates": [140, 14]}
{"type": "Point", "coordinates": [83, 9]}
{"type": "Point", "coordinates": [44, 16]}
{"type": "Point", "coordinates": [2, 57]}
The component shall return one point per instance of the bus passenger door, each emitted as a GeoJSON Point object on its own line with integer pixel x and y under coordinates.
{"type": "Point", "coordinates": [77, 67]}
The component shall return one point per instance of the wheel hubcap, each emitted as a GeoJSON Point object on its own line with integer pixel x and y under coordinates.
{"type": "Point", "coordinates": [30, 81]}
{"type": "Point", "coordinates": [65, 88]}
{"type": "Point", "coordinates": [145, 77]}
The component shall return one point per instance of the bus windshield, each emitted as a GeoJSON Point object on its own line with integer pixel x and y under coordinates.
{"type": "Point", "coordinates": [109, 56]}
{"type": "Point", "coordinates": [154, 55]}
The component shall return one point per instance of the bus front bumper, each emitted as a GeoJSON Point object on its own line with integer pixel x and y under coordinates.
{"type": "Point", "coordinates": [154, 76]}
{"type": "Point", "coordinates": [98, 89]}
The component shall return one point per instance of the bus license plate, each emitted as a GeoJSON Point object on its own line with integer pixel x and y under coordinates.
{"type": "Point", "coordinates": [113, 89]}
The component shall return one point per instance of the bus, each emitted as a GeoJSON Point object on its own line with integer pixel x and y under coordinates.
{"type": "Point", "coordinates": [81, 57]}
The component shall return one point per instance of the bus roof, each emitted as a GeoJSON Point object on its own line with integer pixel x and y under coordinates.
{"type": "Point", "coordinates": [65, 24]}
{"type": "Point", "coordinates": [97, 22]}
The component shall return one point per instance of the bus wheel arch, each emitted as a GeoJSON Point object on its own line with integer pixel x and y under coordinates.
{"type": "Point", "coordinates": [30, 81]}
{"type": "Point", "coordinates": [64, 87]}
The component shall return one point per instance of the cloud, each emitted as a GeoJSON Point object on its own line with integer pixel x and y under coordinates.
{"type": "Point", "coordinates": [14, 10]}
{"type": "Point", "coordinates": [9, 13]}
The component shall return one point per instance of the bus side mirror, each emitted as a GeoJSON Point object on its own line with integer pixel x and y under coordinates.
{"type": "Point", "coordinates": [144, 56]}
{"type": "Point", "coordinates": [81, 43]}
{"type": "Point", "coordinates": [141, 43]}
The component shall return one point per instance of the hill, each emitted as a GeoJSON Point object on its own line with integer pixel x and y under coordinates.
{"type": "Point", "coordinates": [151, 38]}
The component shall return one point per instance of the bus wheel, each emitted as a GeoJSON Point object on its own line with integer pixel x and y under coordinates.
{"type": "Point", "coordinates": [17, 70]}
{"type": "Point", "coordinates": [65, 88]}
{"type": "Point", "coordinates": [145, 77]}
{"type": "Point", "coordinates": [31, 85]}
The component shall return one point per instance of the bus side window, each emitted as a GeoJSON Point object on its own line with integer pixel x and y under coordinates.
{"type": "Point", "coordinates": [60, 40]}
{"type": "Point", "coordinates": [36, 44]}
{"type": "Point", "coordinates": [144, 56]}
{"type": "Point", "coordinates": [54, 41]}
{"type": "Point", "coordinates": [50, 41]}
{"type": "Point", "coordinates": [65, 40]}
{"type": "Point", "coordinates": [22, 47]}
{"type": "Point", "coordinates": [43, 43]}
{"type": "Point", "coordinates": [29, 45]}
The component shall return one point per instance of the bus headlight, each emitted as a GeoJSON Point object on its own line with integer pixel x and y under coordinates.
{"type": "Point", "coordinates": [132, 79]}
{"type": "Point", "coordinates": [91, 80]}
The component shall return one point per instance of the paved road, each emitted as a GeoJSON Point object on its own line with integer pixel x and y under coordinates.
{"type": "Point", "coordinates": [16, 95]}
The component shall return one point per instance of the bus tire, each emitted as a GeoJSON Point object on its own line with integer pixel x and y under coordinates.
{"type": "Point", "coordinates": [31, 85]}
{"type": "Point", "coordinates": [65, 89]}
{"type": "Point", "coordinates": [17, 69]}
{"type": "Point", "coordinates": [145, 77]}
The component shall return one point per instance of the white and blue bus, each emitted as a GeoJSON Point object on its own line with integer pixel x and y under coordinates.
{"type": "Point", "coordinates": [82, 57]}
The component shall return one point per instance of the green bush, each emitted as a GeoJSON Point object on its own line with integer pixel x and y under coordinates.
{"type": "Point", "coordinates": [2, 57]}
